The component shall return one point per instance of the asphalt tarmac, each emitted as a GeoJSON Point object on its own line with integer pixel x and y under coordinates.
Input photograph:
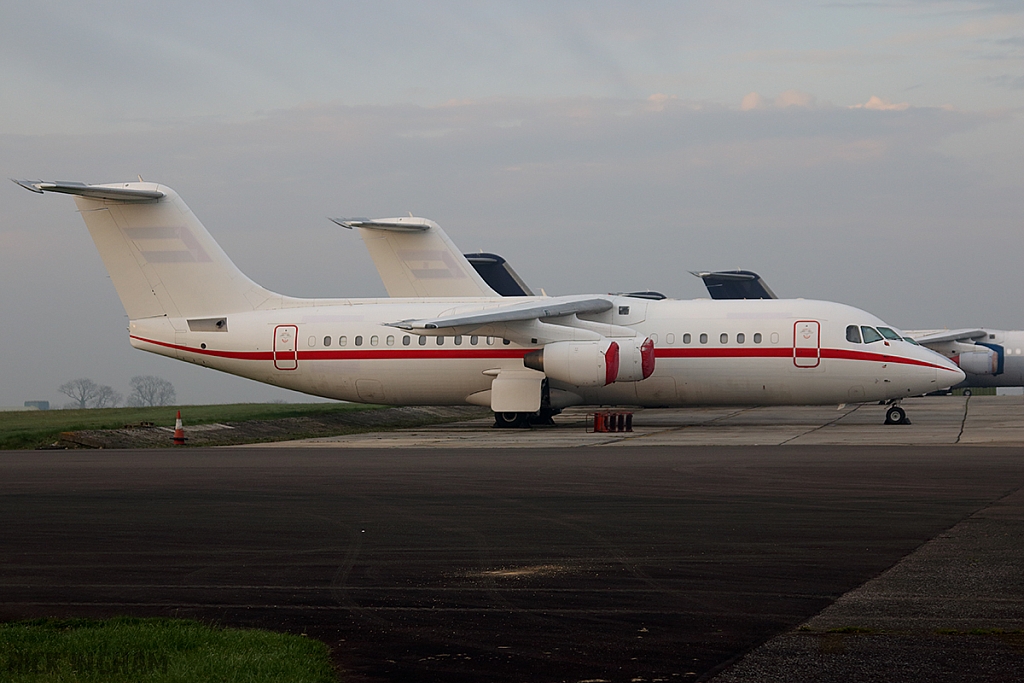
{"type": "Point", "coordinates": [541, 564]}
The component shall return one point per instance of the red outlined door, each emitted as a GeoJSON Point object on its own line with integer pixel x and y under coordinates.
{"type": "Point", "coordinates": [286, 355]}
{"type": "Point", "coordinates": [806, 343]}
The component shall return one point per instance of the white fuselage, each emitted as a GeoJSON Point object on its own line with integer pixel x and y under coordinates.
{"type": "Point", "coordinates": [743, 352]}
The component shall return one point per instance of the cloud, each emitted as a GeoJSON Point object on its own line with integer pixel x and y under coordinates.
{"type": "Point", "coordinates": [752, 101]}
{"type": "Point", "coordinates": [878, 104]}
{"type": "Point", "coordinates": [794, 98]}
{"type": "Point", "coordinates": [789, 98]}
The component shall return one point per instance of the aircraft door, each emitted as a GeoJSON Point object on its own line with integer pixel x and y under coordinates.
{"type": "Point", "coordinates": [286, 355]}
{"type": "Point", "coordinates": [806, 343]}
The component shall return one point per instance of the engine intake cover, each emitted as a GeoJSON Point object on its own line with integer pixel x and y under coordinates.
{"type": "Point", "coordinates": [636, 359]}
{"type": "Point", "coordinates": [979, 362]}
{"type": "Point", "coordinates": [579, 363]}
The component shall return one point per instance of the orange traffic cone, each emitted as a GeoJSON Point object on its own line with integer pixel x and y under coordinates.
{"type": "Point", "coordinates": [179, 431]}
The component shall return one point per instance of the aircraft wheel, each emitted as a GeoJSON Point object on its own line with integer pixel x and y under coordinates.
{"type": "Point", "coordinates": [896, 416]}
{"type": "Point", "coordinates": [968, 393]}
{"type": "Point", "coordinates": [511, 420]}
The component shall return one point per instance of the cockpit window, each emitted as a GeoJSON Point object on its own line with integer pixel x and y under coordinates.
{"type": "Point", "coordinates": [908, 339]}
{"type": "Point", "coordinates": [890, 334]}
{"type": "Point", "coordinates": [853, 334]}
{"type": "Point", "coordinates": [870, 334]}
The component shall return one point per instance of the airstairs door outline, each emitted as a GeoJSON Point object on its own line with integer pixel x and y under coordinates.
{"type": "Point", "coordinates": [286, 355]}
{"type": "Point", "coordinates": [806, 343]}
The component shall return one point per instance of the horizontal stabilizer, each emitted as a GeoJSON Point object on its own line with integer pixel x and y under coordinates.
{"type": "Point", "coordinates": [410, 224]}
{"type": "Point", "coordinates": [117, 192]}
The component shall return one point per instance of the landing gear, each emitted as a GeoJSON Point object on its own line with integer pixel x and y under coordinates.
{"type": "Point", "coordinates": [512, 420]}
{"type": "Point", "coordinates": [894, 415]}
{"type": "Point", "coordinates": [538, 419]}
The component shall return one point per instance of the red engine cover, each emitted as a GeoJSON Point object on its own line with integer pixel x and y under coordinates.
{"type": "Point", "coordinates": [611, 363]}
{"type": "Point", "coordinates": [647, 358]}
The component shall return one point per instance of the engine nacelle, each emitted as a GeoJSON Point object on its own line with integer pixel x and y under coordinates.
{"type": "Point", "coordinates": [983, 362]}
{"type": "Point", "coordinates": [636, 359]}
{"type": "Point", "coordinates": [579, 363]}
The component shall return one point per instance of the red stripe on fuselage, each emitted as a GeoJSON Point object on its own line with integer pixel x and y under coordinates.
{"type": "Point", "coordinates": [470, 353]}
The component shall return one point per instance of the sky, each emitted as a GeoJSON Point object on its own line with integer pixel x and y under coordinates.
{"type": "Point", "coordinates": [862, 152]}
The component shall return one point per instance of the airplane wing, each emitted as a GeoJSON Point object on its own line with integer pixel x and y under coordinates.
{"type": "Point", "coordinates": [415, 258]}
{"type": "Point", "coordinates": [735, 284]}
{"type": "Point", "coordinates": [553, 307]}
{"type": "Point", "coordinates": [963, 335]}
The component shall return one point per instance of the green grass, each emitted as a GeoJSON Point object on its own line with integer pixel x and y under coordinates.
{"type": "Point", "coordinates": [34, 428]}
{"type": "Point", "coordinates": [126, 649]}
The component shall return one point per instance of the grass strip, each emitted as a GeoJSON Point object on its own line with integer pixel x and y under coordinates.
{"type": "Point", "coordinates": [137, 650]}
{"type": "Point", "coordinates": [31, 429]}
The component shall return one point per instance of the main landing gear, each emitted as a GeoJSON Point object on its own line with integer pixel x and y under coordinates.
{"type": "Point", "coordinates": [540, 418]}
{"type": "Point", "coordinates": [895, 415]}
{"type": "Point", "coordinates": [519, 420]}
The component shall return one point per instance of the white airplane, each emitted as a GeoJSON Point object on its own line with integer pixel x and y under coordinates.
{"type": "Point", "coordinates": [989, 358]}
{"type": "Point", "coordinates": [450, 339]}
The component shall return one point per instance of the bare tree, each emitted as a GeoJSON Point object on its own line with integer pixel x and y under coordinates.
{"type": "Point", "coordinates": [107, 398]}
{"type": "Point", "coordinates": [85, 393]}
{"type": "Point", "coordinates": [148, 390]}
{"type": "Point", "coordinates": [82, 392]}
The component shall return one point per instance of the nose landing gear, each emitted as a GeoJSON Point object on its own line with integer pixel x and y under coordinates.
{"type": "Point", "coordinates": [895, 415]}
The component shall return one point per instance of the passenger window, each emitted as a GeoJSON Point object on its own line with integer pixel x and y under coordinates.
{"type": "Point", "coordinates": [359, 340]}
{"type": "Point", "coordinates": [473, 340]}
{"type": "Point", "coordinates": [423, 341]}
{"type": "Point", "coordinates": [373, 340]}
{"type": "Point", "coordinates": [440, 341]}
{"type": "Point", "coordinates": [327, 341]}
{"type": "Point", "coordinates": [853, 334]}
{"type": "Point", "coordinates": [390, 340]}
{"type": "Point", "coordinates": [490, 341]}
{"type": "Point", "coordinates": [703, 338]}
{"type": "Point", "coordinates": [311, 341]}
{"type": "Point", "coordinates": [506, 342]}
{"type": "Point", "coordinates": [406, 340]}
{"type": "Point", "coordinates": [775, 337]}
{"type": "Point", "coordinates": [686, 338]}
{"type": "Point", "coordinates": [654, 337]}
{"type": "Point", "coordinates": [740, 338]}
{"type": "Point", "coordinates": [870, 334]}
{"type": "Point", "coordinates": [342, 341]}
{"type": "Point", "coordinates": [670, 338]}
{"type": "Point", "coordinates": [458, 339]}
{"type": "Point", "coordinates": [724, 338]}
{"type": "Point", "coordinates": [757, 337]}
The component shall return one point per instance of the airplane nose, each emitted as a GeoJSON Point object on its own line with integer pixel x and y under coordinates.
{"type": "Point", "coordinates": [948, 373]}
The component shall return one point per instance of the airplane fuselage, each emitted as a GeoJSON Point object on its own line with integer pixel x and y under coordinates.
{"type": "Point", "coordinates": [707, 353]}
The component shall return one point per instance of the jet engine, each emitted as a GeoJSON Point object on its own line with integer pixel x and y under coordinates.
{"type": "Point", "coordinates": [982, 362]}
{"type": "Point", "coordinates": [580, 363]}
{"type": "Point", "coordinates": [636, 359]}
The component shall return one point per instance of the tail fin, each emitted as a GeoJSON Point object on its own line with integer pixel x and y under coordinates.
{"type": "Point", "coordinates": [415, 258]}
{"type": "Point", "coordinates": [161, 259]}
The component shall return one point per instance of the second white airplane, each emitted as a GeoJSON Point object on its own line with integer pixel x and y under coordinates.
{"type": "Point", "coordinates": [524, 358]}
